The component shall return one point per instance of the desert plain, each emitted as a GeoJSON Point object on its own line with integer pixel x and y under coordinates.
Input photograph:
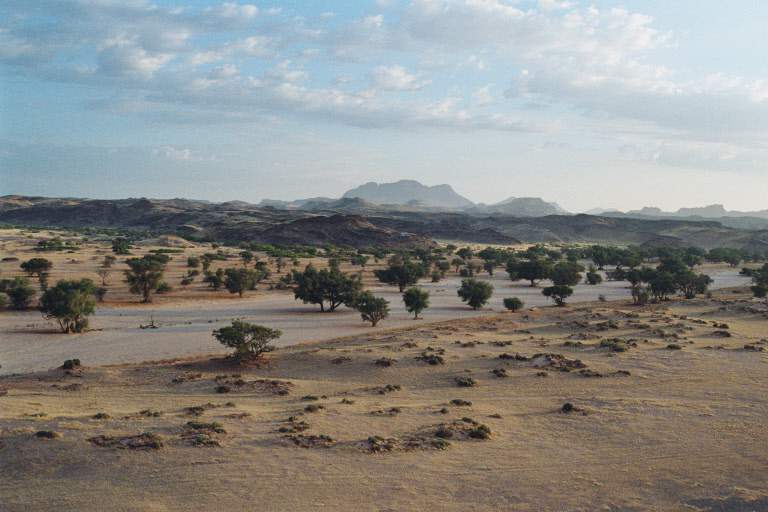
{"type": "Point", "coordinates": [600, 405]}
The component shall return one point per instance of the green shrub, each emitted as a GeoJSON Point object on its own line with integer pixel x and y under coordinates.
{"type": "Point", "coordinates": [513, 303]}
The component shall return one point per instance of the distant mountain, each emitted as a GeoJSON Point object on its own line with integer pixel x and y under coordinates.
{"type": "Point", "coordinates": [524, 207]}
{"type": "Point", "coordinates": [406, 191]}
{"type": "Point", "coordinates": [756, 220]}
{"type": "Point", "coordinates": [297, 203]}
{"type": "Point", "coordinates": [352, 222]}
{"type": "Point", "coordinates": [518, 207]}
{"type": "Point", "coordinates": [712, 211]}
{"type": "Point", "coordinates": [343, 204]}
{"type": "Point", "coordinates": [601, 211]}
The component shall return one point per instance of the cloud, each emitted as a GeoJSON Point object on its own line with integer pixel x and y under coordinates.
{"type": "Point", "coordinates": [231, 10]}
{"type": "Point", "coordinates": [482, 96]}
{"type": "Point", "coordinates": [237, 61]}
{"type": "Point", "coordinates": [177, 154]}
{"type": "Point", "coordinates": [396, 78]}
{"type": "Point", "coordinates": [125, 58]}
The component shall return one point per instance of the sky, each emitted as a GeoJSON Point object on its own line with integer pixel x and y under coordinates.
{"type": "Point", "coordinates": [604, 104]}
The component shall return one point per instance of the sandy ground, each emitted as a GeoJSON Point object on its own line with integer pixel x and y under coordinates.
{"type": "Point", "coordinates": [673, 430]}
{"type": "Point", "coordinates": [187, 316]}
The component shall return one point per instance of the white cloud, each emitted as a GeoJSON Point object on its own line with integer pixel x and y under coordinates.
{"type": "Point", "coordinates": [595, 64]}
{"type": "Point", "coordinates": [125, 58]}
{"type": "Point", "coordinates": [482, 96]}
{"type": "Point", "coordinates": [231, 10]}
{"type": "Point", "coordinates": [177, 154]}
{"type": "Point", "coordinates": [396, 78]}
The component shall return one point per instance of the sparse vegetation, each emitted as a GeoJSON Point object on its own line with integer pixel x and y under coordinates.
{"type": "Point", "coordinates": [248, 340]}
{"type": "Point", "coordinates": [513, 304]}
{"type": "Point", "coordinates": [372, 309]}
{"type": "Point", "coordinates": [416, 300]}
{"type": "Point", "coordinates": [145, 275]}
{"type": "Point", "coordinates": [70, 303]}
{"type": "Point", "coordinates": [475, 293]}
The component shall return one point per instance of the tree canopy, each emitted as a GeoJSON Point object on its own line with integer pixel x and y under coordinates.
{"type": "Point", "coordinates": [70, 303]}
{"type": "Point", "coordinates": [475, 293]}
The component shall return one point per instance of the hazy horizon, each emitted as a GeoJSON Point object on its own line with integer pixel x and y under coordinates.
{"type": "Point", "coordinates": [339, 195]}
{"type": "Point", "coordinates": [610, 104]}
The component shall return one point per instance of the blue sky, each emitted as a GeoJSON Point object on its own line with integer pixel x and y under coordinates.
{"type": "Point", "coordinates": [610, 104]}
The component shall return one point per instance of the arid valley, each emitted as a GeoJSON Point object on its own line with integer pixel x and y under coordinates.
{"type": "Point", "coordinates": [653, 407]}
{"type": "Point", "coordinates": [383, 255]}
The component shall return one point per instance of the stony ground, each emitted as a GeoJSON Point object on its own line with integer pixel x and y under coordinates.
{"type": "Point", "coordinates": [599, 406]}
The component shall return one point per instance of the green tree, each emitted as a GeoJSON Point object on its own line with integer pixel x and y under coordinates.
{"type": "Point", "coordinates": [723, 254]}
{"type": "Point", "coordinates": [530, 270]}
{"type": "Point", "coordinates": [475, 293]}
{"type": "Point", "coordinates": [402, 274]}
{"type": "Point", "coordinates": [558, 293]}
{"type": "Point", "coordinates": [662, 285]}
{"type": "Point", "coordinates": [760, 282]}
{"type": "Point", "coordinates": [215, 279]}
{"type": "Point", "coordinates": [593, 277]}
{"type": "Point", "coordinates": [359, 260]}
{"type": "Point", "coordinates": [248, 340]}
{"type": "Point", "coordinates": [238, 280]}
{"type": "Point", "coordinates": [326, 285]}
{"type": "Point", "coordinates": [513, 303]}
{"type": "Point", "coordinates": [246, 257]}
{"type": "Point", "coordinates": [145, 274]}
{"type": "Point", "coordinates": [19, 292]}
{"type": "Point", "coordinates": [691, 284]}
{"type": "Point", "coordinates": [372, 309]}
{"type": "Point", "coordinates": [70, 303]}
{"type": "Point", "coordinates": [120, 245]}
{"type": "Point", "coordinates": [416, 300]}
{"type": "Point", "coordinates": [465, 253]}
{"type": "Point", "coordinates": [566, 273]}
{"type": "Point", "coordinates": [36, 266]}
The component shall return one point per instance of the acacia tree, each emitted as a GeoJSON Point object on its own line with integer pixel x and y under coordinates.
{"type": "Point", "coordinates": [120, 245]}
{"type": "Point", "coordinates": [662, 285]}
{"type": "Point", "coordinates": [532, 270]}
{"type": "Point", "coordinates": [248, 340]}
{"type": "Point", "coordinates": [246, 256]}
{"type": "Point", "coordinates": [19, 292]}
{"type": "Point", "coordinates": [416, 300]}
{"type": "Point", "coordinates": [70, 303]}
{"type": "Point", "coordinates": [372, 309]}
{"type": "Point", "coordinates": [238, 280]}
{"type": "Point", "coordinates": [401, 274]}
{"type": "Point", "coordinates": [760, 282]}
{"type": "Point", "coordinates": [513, 304]}
{"type": "Point", "coordinates": [144, 275]}
{"type": "Point", "coordinates": [36, 266]}
{"type": "Point", "coordinates": [475, 293]}
{"type": "Point", "coordinates": [558, 293]}
{"type": "Point", "coordinates": [564, 275]}
{"type": "Point", "coordinates": [691, 284]}
{"type": "Point", "coordinates": [103, 274]}
{"type": "Point", "coordinates": [327, 285]}
{"type": "Point", "coordinates": [593, 277]}
{"type": "Point", "coordinates": [465, 253]}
